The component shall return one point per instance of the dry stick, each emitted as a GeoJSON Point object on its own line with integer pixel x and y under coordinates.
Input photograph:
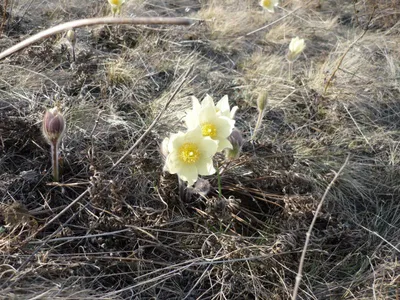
{"type": "Point", "coordinates": [155, 120]}
{"type": "Point", "coordinates": [328, 83]}
{"type": "Point", "coordinates": [90, 22]}
{"type": "Point", "coordinates": [308, 234]}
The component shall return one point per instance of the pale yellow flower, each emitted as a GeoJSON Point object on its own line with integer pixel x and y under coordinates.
{"type": "Point", "coordinates": [296, 46]}
{"type": "Point", "coordinates": [116, 6]}
{"type": "Point", "coordinates": [269, 4]}
{"type": "Point", "coordinates": [221, 108]}
{"type": "Point", "coordinates": [190, 154]}
{"type": "Point", "coordinates": [211, 121]}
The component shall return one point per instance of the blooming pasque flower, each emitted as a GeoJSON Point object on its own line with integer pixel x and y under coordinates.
{"type": "Point", "coordinates": [296, 46]}
{"type": "Point", "coordinates": [221, 108]}
{"type": "Point", "coordinates": [211, 121]}
{"type": "Point", "coordinates": [116, 6]}
{"type": "Point", "coordinates": [190, 154]}
{"type": "Point", "coordinates": [269, 4]}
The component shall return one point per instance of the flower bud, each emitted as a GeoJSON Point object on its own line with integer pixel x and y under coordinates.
{"type": "Point", "coordinates": [53, 125]}
{"type": "Point", "coordinates": [296, 46]}
{"type": "Point", "coordinates": [237, 142]}
{"type": "Point", "coordinates": [71, 37]}
{"type": "Point", "coordinates": [262, 101]}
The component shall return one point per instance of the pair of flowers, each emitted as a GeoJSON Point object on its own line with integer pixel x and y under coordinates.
{"type": "Point", "coordinates": [189, 154]}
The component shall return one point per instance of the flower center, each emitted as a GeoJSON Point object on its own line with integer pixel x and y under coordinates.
{"type": "Point", "coordinates": [115, 2]}
{"type": "Point", "coordinates": [209, 129]}
{"type": "Point", "coordinates": [189, 153]}
{"type": "Point", "coordinates": [266, 3]}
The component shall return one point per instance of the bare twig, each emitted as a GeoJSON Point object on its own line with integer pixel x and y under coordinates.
{"type": "Point", "coordinates": [90, 22]}
{"type": "Point", "coordinates": [308, 234]}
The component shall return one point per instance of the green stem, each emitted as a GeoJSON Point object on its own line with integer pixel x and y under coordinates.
{"type": "Point", "coordinates": [54, 161]}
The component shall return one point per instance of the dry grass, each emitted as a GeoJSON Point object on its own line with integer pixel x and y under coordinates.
{"type": "Point", "coordinates": [130, 235]}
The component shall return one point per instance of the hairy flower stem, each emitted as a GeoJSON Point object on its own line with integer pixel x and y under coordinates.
{"type": "Point", "coordinates": [54, 161]}
{"type": "Point", "coordinates": [73, 53]}
{"type": "Point", "coordinates": [290, 70]}
{"type": "Point", "coordinates": [258, 123]}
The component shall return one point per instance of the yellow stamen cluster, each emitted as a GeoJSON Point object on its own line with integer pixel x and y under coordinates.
{"type": "Point", "coordinates": [209, 129]}
{"type": "Point", "coordinates": [266, 3]}
{"type": "Point", "coordinates": [189, 153]}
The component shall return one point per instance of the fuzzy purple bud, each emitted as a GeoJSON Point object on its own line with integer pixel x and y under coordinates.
{"type": "Point", "coordinates": [237, 142]}
{"type": "Point", "coordinates": [53, 125]}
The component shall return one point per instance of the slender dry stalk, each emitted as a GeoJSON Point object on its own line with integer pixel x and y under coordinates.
{"type": "Point", "coordinates": [308, 234]}
{"type": "Point", "coordinates": [91, 22]}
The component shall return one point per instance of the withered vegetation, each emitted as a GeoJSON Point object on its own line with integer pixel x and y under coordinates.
{"type": "Point", "coordinates": [130, 235]}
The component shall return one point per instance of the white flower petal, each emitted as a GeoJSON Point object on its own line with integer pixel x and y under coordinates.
{"type": "Point", "coordinates": [188, 173]}
{"type": "Point", "coordinates": [208, 147]}
{"type": "Point", "coordinates": [196, 104]}
{"type": "Point", "coordinates": [223, 144]}
{"type": "Point", "coordinates": [224, 126]}
{"type": "Point", "coordinates": [233, 111]}
{"type": "Point", "coordinates": [205, 167]}
{"type": "Point", "coordinates": [208, 100]}
{"type": "Point", "coordinates": [173, 163]}
{"type": "Point", "coordinates": [164, 147]}
{"type": "Point", "coordinates": [175, 141]}
{"type": "Point", "coordinates": [223, 104]}
{"type": "Point", "coordinates": [207, 114]}
{"type": "Point", "coordinates": [192, 119]}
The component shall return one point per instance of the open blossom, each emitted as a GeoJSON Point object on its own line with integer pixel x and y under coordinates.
{"type": "Point", "coordinates": [222, 106]}
{"type": "Point", "coordinates": [212, 121]}
{"type": "Point", "coordinates": [116, 6]}
{"type": "Point", "coordinates": [269, 4]}
{"type": "Point", "coordinates": [190, 154]}
{"type": "Point", "coordinates": [296, 46]}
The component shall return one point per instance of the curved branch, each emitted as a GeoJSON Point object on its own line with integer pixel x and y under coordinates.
{"type": "Point", "coordinates": [90, 22]}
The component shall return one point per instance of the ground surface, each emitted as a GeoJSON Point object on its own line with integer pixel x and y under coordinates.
{"type": "Point", "coordinates": [131, 236]}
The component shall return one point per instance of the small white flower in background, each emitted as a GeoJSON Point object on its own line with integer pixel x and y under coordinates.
{"type": "Point", "coordinates": [116, 6]}
{"type": "Point", "coordinates": [211, 121]}
{"type": "Point", "coordinates": [190, 154]}
{"type": "Point", "coordinates": [296, 46]}
{"type": "Point", "coordinates": [269, 4]}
